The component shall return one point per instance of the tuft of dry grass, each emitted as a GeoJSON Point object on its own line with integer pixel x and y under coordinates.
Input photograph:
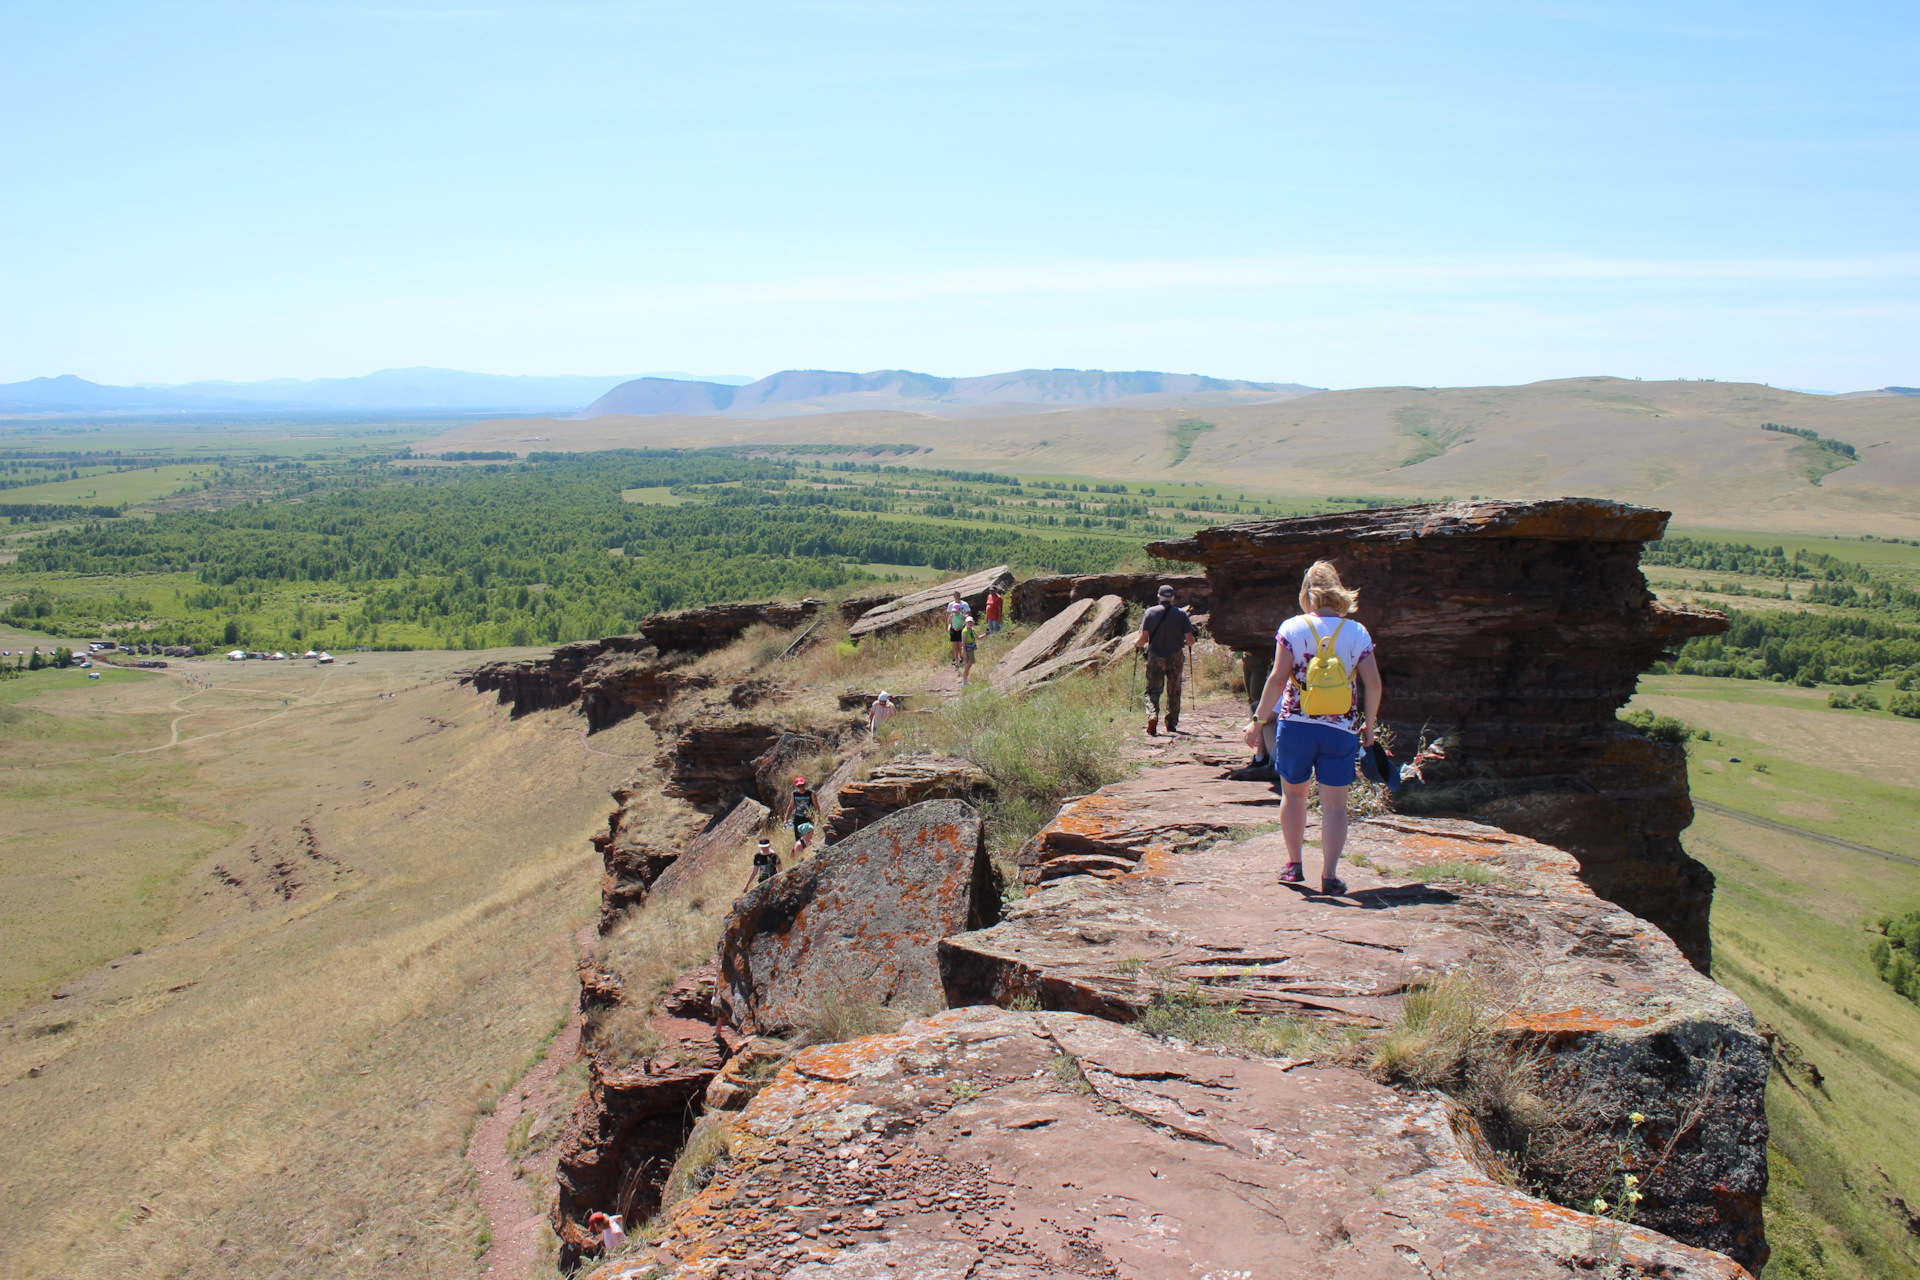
{"type": "Point", "coordinates": [1189, 1013]}
{"type": "Point", "coordinates": [704, 1153]}
{"type": "Point", "coordinates": [1065, 739]}
{"type": "Point", "coordinates": [656, 942]}
{"type": "Point", "coordinates": [834, 1020]}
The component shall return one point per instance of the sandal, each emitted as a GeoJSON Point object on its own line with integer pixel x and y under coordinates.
{"type": "Point", "coordinates": [1293, 873]}
{"type": "Point", "coordinates": [1333, 887]}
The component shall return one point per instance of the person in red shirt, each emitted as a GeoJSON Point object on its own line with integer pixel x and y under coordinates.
{"type": "Point", "coordinates": [994, 604]}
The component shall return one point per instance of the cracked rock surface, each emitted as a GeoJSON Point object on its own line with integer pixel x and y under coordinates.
{"type": "Point", "coordinates": [999, 1145]}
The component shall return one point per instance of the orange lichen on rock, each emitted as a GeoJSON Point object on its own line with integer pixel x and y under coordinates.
{"type": "Point", "coordinates": [960, 1146]}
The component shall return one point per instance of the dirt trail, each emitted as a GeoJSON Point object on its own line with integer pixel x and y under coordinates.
{"type": "Point", "coordinates": [515, 1223]}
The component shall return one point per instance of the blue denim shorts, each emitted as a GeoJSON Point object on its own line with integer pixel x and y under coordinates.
{"type": "Point", "coordinates": [1303, 750]}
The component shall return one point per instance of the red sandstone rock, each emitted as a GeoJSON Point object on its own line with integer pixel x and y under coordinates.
{"type": "Point", "coordinates": [1038, 599]}
{"type": "Point", "coordinates": [1047, 640]}
{"type": "Point", "coordinates": [929, 605]}
{"type": "Point", "coordinates": [857, 921]}
{"type": "Point", "coordinates": [1143, 895]}
{"type": "Point", "coordinates": [624, 1133]}
{"type": "Point", "coordinates": [853, 606]}
{"type": "Point", "coordinates": [899, 783]}
{"type": "Point", "coordinates": [1515, 631]}
{"type": "Point", "coordinates": [995, 1145]}
{"type": "Point", "coordinates": [716, 626]}
{"type": "Point", "coordinates": [744, 821]}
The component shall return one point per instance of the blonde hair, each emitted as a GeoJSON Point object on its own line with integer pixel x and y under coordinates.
{"type": "Point", "coordinates": [1321, 589]}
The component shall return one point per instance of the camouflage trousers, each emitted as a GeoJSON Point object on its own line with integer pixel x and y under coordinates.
{"type": "Point", "coordinates": [1165, 672]}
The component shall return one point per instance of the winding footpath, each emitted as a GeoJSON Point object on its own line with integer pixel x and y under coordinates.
{"type": "Point", "coordinates": [514, 1224]}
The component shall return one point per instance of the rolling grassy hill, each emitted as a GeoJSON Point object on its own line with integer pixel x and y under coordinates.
{"type": "Point", "coordinates": [1696, 448]}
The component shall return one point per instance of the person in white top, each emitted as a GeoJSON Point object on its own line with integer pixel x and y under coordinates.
{"type": "Point", "coordinates": [613, 1235]}
{"type": "Point", "coordinates": [1316, 723]}
{"type": "Point", "coordinates": [879, 713]}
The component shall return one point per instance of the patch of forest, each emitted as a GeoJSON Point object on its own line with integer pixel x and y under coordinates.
{"type": "Point", "coordinates": [477, 557]}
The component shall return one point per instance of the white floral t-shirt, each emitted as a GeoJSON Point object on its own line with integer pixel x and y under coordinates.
{"type": "Point", "coordinates": [1351, 643]}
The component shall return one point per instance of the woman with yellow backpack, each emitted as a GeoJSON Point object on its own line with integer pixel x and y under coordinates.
{"type": "Point", "coordinates": [1314, 722]}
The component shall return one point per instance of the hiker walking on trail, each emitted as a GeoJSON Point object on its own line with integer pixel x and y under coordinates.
{"type": "Point", "coordinates": [1166, 633]}
{"type": "Point", "coordinates": [1316, 724]}
{"type": "Point", "coordinates": [957, 612]}
{"type": "Point", "coordinates": [996, 604]}
{"type": "Point", "coordinates": [879, 713]}
{"type": "Point", "coordinates": [805, 805]}
{"type": "Point", "coordinates": [766, 864]}
{"type": "Point", "coordinates": [969, 642]}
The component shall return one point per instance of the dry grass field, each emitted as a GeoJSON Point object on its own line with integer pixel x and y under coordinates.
{"type": "Point", "coordinates": [1692, 447]}
{"type": "Point", "coordinates": [284, 932]}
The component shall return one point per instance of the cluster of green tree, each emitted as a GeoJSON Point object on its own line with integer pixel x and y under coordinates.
{"type": "Point", "coordinates": [1802, 648]}
{"type": "Point", "coordinates": [1896, 953]}
{"type": "Point", "coordinates": [17, 512]}
{"type": "Point", "coordinates": [1845, 583]}
{"type": "Point", "coordinates": [811, 450]}
{"type": "Point", "coordinates": [1740, 557]}
{"type": "Point", "coordinates": [480, 455]}
{"type": "Point", "coordinates": [970, 477]}
{"type": "Point", "coordinates": [471, 557]}
{"type": "Point", "coordinates": [1831, 445]}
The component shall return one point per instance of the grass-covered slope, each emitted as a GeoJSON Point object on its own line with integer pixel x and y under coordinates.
{"type": "Point", "coordinates": [1792, 917]}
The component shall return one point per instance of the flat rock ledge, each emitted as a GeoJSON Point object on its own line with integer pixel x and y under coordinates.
{"type": "Point", "coordinates": [1168, 882]}
{"type": "Point", "coordinates": [995, 1145]}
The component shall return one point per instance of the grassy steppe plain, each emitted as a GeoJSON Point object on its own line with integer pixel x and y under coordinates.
{"type": "Point", "coordinates": [286, 930]}
{"type": "Point", "coordinates": [1789, 937]}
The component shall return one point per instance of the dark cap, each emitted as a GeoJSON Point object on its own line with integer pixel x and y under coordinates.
{"type": "Point", "coordinates": [1166, 591]}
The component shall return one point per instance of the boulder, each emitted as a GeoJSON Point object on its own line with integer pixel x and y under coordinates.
{"type": "Point", "coordinates": [1066, 664]}
{"type": "Point", "coordinates": [929, 604]}
{"type": "Point", "coordinates": [858, 921]}
{"type": "Point", "coordinates": [747, 819]}
{"type": "Point", "coordinates": [1002, 1145]}
{"type": "Point", "coordinates": [1048, 639]}
{"type": "Point", "coordinates": [716, 626]}
{"type": "Point", "coordinates": [711, 766]}
{"type": "Point", "coordinates": [899, 783]}
{"type": "Point", "coordinates": [1146, 890]}
{"type": "Point", "coordinates": [1038, 599]}
{"type": "Point", "coordinates": [853, 606]}
{"type": "Point", "coordinates": [1106, 622]}
{"type": "Point", "coordinates": [775, 768]}
{"type": "Point", "coordinates": [1513, 631]}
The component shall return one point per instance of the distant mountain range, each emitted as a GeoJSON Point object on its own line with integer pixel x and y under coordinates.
{"type": "Point", "coordinates": [785, 394]}
{"type": "Point", "coordinates": [804, 391]}
{"type": "Point", "coordinates": [448, 389]}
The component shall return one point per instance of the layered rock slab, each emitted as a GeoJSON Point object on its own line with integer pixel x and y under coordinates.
{"type": "Point", "coordinates": [1005, 1145]}
{"type": "Point", "coordinates": [1038, 599]}
{"type": "Point", "coordinates": [858, 922]}
{"type": "Point", "coordinates": [1514, 631]}
{"type": "Point", "coordinates": [899, 783]}
{"type": "Point", "coordinates": [1622, 1022]}
{"type": "Point", "coordinates": [928, 605]}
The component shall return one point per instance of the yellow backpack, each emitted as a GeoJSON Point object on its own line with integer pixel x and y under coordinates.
{"type": "Point", "coordinates": [1328, 689]}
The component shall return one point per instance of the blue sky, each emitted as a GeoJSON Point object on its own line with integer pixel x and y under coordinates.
{"type": "Point", "coordinates": [1339, 195]}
